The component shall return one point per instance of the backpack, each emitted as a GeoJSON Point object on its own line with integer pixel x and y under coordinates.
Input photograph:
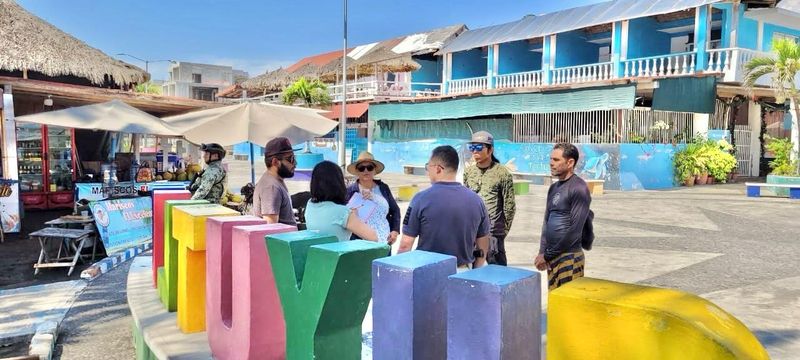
{"type": "Point", "coordinates": [588, 232]}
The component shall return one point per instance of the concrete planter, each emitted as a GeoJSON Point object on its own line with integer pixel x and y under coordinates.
{"type": "Point", "coordinates": [776, 179]}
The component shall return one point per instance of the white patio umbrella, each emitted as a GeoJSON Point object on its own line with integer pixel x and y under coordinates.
{"type": "Point", "coordinates": [113, 115]}
{"type": "Point", "coordinates": [254, 122]}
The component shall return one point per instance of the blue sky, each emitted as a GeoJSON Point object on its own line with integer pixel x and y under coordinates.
{"type": "Point", "coordinates": [259, 35]}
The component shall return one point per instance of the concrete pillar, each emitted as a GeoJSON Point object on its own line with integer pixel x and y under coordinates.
{"type": "Point", "coordinates": [700, 124]}
{"type": "Point", "coordinates": [795, 130]}
{"type": "Point", "coordinates": [754, 121]}
{"type": "Point", "coordinates": [701, 36]}
{"type": "Point", "coordinates": [159, 199]}
{"type": "Point", "coordinates": [189, 228]}
{"type": "Point", "coordinates": [490, 74]}
{"type": "Point", "coordinates": [325, 287]}
{"type": "Point", "coordinates": [168, 275]}
{"type": "Point", "coordinates": [243, 311]}
{"type": "Point", "coordinates": [410, 305]}
{"type": "Point", "coordinates": [548, 49]}
{"type": "Point", "coordinates": [734, 29]}
{"type": "Point", "coordinates": [10, 161]}
{"type": "Point", "coordinates": [494, 313]}
{"type": "Point", "coordinates": [616, 49]}
{"type": "Point", "coordinates": [447, 72]}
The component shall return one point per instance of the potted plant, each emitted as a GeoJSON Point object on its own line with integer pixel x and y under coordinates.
{"type": "Point", "coordinates": [719, 161]}
{"type": "Point", "coordinates": [687, 165]}
{"type": "Point", "coordinates": [784, 169]}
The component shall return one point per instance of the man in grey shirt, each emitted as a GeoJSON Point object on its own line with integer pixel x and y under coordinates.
{"type": "Point", "coordinates": [271, 200]}
{"type": "Point", "coordinates": [448, 218]}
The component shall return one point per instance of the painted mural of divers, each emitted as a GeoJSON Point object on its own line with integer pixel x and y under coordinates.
{"type": "Point", "coordinates": [596, 167]}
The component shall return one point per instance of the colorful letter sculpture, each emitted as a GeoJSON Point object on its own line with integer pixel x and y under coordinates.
{"type": "Point", "coordinates": [244, 319]}
{"type": "Point", "coordinates": [159, 199]}
{"type": "Point", "coordinates": [410, 301]}
{"type": "Point", "coordinates": [325, 288]}
{"type": "Point", "coordinates": [494, 312]}
{"type": "Point", "coordinates": [168, 275]}
{"type": "Point", "coordinates": [189, 228]}
{"type": "Point", "coordinates": [624, 321]}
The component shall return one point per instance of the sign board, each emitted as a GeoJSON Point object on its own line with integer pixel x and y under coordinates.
{"type": "Point", "coordinates": [123, 223]}
{"type": "Point", "coordinates": [98, 191]}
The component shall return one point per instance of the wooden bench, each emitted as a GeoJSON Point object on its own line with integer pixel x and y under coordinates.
{"type": "Point", "coordinates": [754, 189]}
{"type": "Point", "coordinates": [414, 169]}
{"type": "Point", "coordinates": [596, 187]}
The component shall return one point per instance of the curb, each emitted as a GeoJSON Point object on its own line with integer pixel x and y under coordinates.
{"type": "Point", "coordinates": [103, 266]}
{"type": "Point", "coordinates": [44, 341]}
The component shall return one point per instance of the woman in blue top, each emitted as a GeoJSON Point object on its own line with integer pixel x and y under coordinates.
{"type": "Point", "coordinates": [327, 210]}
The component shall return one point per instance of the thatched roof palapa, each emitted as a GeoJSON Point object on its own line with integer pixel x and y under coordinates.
{"type": "Point", "coordinates": [29, 43]}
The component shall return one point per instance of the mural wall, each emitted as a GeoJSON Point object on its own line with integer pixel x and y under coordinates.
{"type": "Point", "coordinates": [622, 166]}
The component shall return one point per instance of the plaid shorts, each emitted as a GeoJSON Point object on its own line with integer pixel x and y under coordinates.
{"type": "Point", "coordinates": [565, 268]}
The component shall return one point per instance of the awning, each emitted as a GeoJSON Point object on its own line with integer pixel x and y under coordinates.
{"type": "Point", "coordinates": [686, 94]}
{"type": "Point", "coordinates": [566, 20]}
{"type": "Point", "coordinates": [354, 110]}
{"type": "Point", "coordinates": [114, 115]}
{"type": "Point", "coordinates": [589, 99]}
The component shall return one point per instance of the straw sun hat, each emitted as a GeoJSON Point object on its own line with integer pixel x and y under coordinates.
{"type": "Point", "coordinates": [365, 156]}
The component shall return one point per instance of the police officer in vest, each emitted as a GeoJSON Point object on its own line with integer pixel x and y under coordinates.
{"type": "Point", "coordinates": [210, 183]}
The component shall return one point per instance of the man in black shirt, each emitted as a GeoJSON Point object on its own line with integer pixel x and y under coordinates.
{"type": "Point", "coordinates": [565, 216]}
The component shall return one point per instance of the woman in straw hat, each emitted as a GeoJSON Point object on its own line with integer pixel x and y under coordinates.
{"type": "Point", "coordinates": [327, 210]}
{"type": "Point", "coordinates": [386, 219]}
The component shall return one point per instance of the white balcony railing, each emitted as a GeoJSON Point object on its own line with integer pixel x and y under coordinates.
{"type": "Point", "coordinates": [660, 66]}
{"type": "Point", "coordinates": [520, 80]}
{"type": "Point", "coordinates": [583, 73]}
{"type": "Point", "coordinates": [462, 86]}
{"type": "Point", "coordinates": [370, 89]}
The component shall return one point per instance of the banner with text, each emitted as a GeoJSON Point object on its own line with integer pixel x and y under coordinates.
{"type": "Point", "coordinates": [124, 223]}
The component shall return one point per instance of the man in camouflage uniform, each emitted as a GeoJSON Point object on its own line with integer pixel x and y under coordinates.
{"type": "Point", "coordinates": [210, 183]}
{"type": "Point", "coordinates": [495, 185]}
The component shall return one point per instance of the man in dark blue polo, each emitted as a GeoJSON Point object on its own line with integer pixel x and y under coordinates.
{"type": "Point", "coordinates": [448, 218]}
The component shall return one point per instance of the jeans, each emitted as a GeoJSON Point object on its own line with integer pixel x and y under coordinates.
{"type": "Point", "coordinates": [498, 256]}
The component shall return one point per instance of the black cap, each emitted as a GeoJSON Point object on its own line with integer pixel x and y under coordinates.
{"type": "Point", "coordinates": [277, 146]}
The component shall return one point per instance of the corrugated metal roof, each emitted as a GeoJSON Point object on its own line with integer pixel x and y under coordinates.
{"type": "Point", "coordinates": [567, 20]}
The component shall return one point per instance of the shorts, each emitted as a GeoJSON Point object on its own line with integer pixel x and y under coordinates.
{"type": "Point", "coordinates": [565, 268]}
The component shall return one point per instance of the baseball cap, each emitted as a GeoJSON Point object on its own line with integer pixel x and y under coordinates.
{"type": "Point", "coordinates": [482, 137]}
{"type": "Point", "coordinates": [277, 146]}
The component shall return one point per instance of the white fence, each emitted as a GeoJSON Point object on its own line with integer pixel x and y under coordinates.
{"type": "Point", "coordinates": [604, 126]}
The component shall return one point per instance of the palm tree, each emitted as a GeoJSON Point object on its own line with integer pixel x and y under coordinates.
{"type": "Point", "coordinates": [312, 93]}
{"type": "Point", "coordinates": [148, 88]}
{"type": "Point", "coordinates": [783, 68]}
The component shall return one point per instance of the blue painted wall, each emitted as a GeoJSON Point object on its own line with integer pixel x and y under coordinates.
{"type": "Point", "coordinates": [516, 57]}
{"type": "Point", "coordinates": [622, 166]}
{"type": "Point", "coordinates": [468, 64]}
{"type": "Point", "coordinates": [748, 28]}
{"type": "Point", "coordinates": [572, 49]}
{"type": "Point", "coordinates": [429, 72]}
{"type": "Point", "coordinates": [644, 39]}
{"type": "Point", "coordinates": [770, 30]}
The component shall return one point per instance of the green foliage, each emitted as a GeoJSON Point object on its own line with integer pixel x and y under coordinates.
{"type": "Point", "coordinates": [148, 88]}
{"type": "Point", "coordinates": [312, 93]}
{"type": "Point", "coordinates": [782, 150]}
{"type": "Point", "coordinates": [704, 157]}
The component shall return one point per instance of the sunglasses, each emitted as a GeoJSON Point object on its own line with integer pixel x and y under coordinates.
{"type": "Point", "coordinates": [476, 147]}
{"type": "Point", "coordinates": [291, 159]}
{"type": "Point", "coordinates": [363, 168]}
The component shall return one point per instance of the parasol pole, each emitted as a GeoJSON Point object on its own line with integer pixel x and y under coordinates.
{"type": "Point", "coordinates": [343, 116]}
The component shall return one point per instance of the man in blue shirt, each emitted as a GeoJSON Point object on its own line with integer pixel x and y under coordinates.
{"type": "Point", "coordinates": [448, 218]}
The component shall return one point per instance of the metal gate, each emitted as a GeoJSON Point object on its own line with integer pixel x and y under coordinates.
{"type": "Point", "coordinates": [743, 136]}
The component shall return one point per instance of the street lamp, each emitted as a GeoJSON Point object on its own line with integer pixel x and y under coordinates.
{"type": "Point", "coordinates": [146, 65]}
{"type": "Point", "coordinates": [343, 116]}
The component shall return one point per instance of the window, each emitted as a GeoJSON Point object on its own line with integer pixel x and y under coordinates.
{"type": "Point", "coordinates": [777, 36]}
{"type": "Point", "coordinates": [197, 79]}
{"type": "Point", "coordinates": [604, 54]}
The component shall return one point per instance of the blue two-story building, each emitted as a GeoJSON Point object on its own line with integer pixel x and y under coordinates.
{"type": "Point", "coordinates": [627, 80]}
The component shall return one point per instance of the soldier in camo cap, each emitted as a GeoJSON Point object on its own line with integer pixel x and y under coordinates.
{"type": "Point", "coordinates": [495, 185]}
{"type": "Point", "coordinates": [210, 184]}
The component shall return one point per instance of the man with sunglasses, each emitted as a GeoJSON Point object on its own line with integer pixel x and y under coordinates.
{"type": "Point", "coordinates": [495, 185]}
{"type": "Point", "coordinates": [271, 200]}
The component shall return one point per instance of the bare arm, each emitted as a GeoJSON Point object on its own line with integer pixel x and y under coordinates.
{"type": "Point", "coordinates": [405, 244]}
{"type": "Point", "coordinates": [271, 219]}
{"type": "Point", "coordinates": [359, 228]}
{"type": "Point", "coordinates": [483, 244]}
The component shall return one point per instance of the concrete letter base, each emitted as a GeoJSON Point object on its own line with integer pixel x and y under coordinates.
{"type": "Point", "coordinates": [168, 275]}
{"type": "Point", "coordinates": [325, 288]}
{"type": "Point", "coordinates": [243, 311]}
{"type": "Point", "coordinates": [494, 312]}
{"type": "Point", "coordinates": [189, 228]}
{"type": "Point", "coordinates": [410, 305]}
{"type": "Point", "coordinates": [598, 319]}
{"type": "Point", "coordinates": [159, 199]}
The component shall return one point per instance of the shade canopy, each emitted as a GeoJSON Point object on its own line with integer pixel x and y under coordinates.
{"type": "Point", "coordinates": [113, 115]}
{"type": "Point", "coordinates": [254, 122]}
